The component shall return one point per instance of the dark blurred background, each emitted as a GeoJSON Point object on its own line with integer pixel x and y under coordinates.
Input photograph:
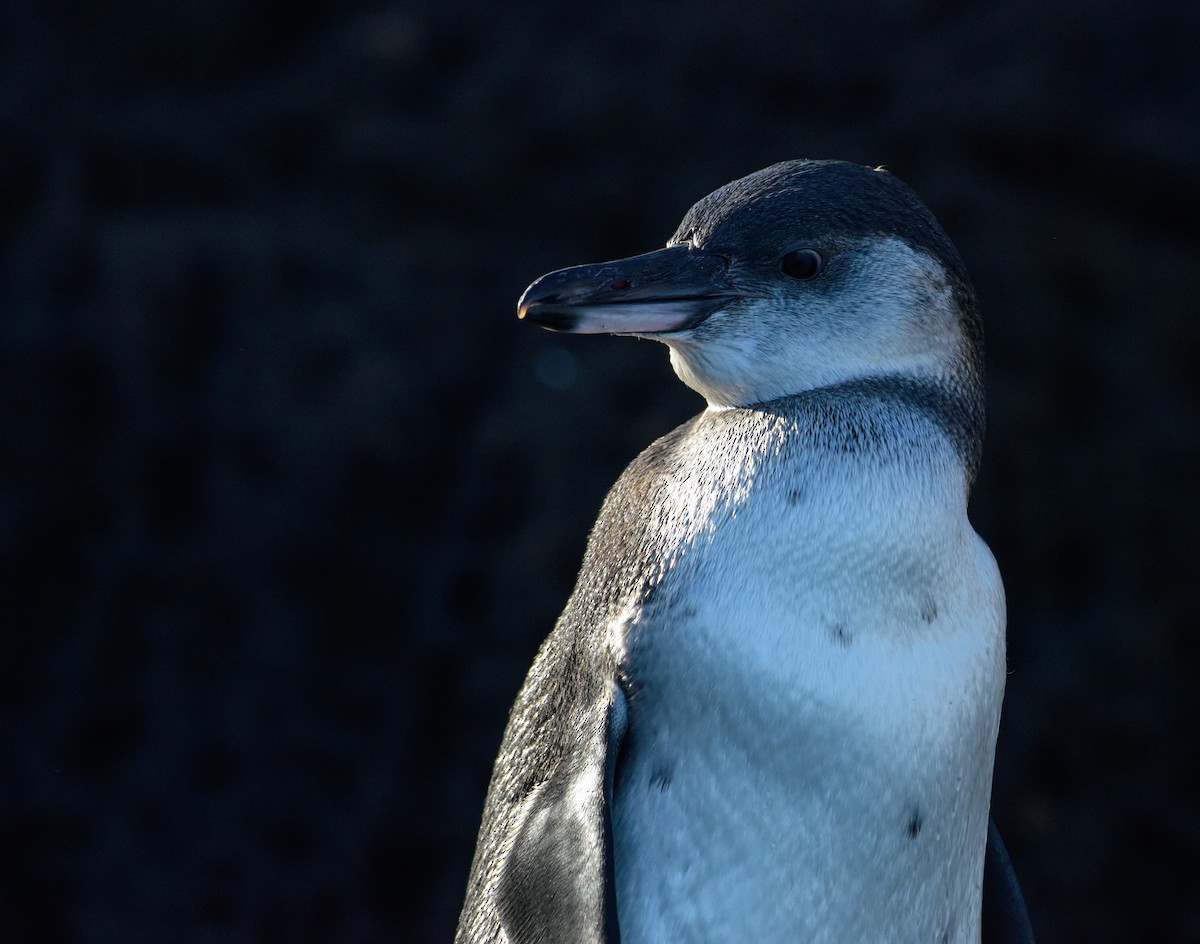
{"type": "Point", "coordinates": [290, 497]}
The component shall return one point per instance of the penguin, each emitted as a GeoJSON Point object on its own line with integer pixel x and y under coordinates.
{"type": "Point", "coordinates": [769, 710]}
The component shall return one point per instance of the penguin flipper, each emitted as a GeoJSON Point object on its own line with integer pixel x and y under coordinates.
{"type": "Point", "coordinates": [1005, 919]}
{"type": "Point", "coordinates": [556, 883]}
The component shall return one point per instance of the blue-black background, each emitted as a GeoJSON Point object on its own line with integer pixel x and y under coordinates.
{"type": "Point", "coordinates": [289, 497]}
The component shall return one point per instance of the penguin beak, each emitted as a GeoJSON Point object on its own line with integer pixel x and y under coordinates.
{"type": "Point", "coordinates": [671, 289]}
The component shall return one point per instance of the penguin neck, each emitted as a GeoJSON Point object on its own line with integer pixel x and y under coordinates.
{"type": "Point", "coordinates": [881, 403]}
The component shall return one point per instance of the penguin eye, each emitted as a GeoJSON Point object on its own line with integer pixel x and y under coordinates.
{"type": "Point", "coordinates": [802, 263]}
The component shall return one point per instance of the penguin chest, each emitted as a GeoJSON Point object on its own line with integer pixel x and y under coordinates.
{"type": "Point", "coordinates": [813, 712]}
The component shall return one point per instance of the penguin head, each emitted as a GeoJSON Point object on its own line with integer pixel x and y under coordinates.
{"type": "Point", "coordinates": [804, 275]}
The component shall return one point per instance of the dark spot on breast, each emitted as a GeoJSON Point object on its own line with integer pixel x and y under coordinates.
{"type": "Point", "coordinates": [914, 824]}
{"type": "Point", "coordinates": [795, 496]}
{"type": "Point", "coordinates": [929, 611]}
{"type": "Point", "coordinates": [841, 635]}
{"type": "Point", "coordinates": [661, 779]}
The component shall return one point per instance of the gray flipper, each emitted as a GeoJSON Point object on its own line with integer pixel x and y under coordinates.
{"type": "Point", "coordinates": [556, 883]}
{"type": "Point", "coordinates": [1005, 920]}
{"type": "Point", "coordinates": [543, 866]}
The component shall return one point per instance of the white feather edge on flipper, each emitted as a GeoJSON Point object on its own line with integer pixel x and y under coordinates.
{"type": "Point", "coordinates": [556, 883]}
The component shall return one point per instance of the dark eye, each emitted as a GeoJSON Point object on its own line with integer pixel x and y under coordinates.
{"type": "Point", "coordinates": [801, 263]}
